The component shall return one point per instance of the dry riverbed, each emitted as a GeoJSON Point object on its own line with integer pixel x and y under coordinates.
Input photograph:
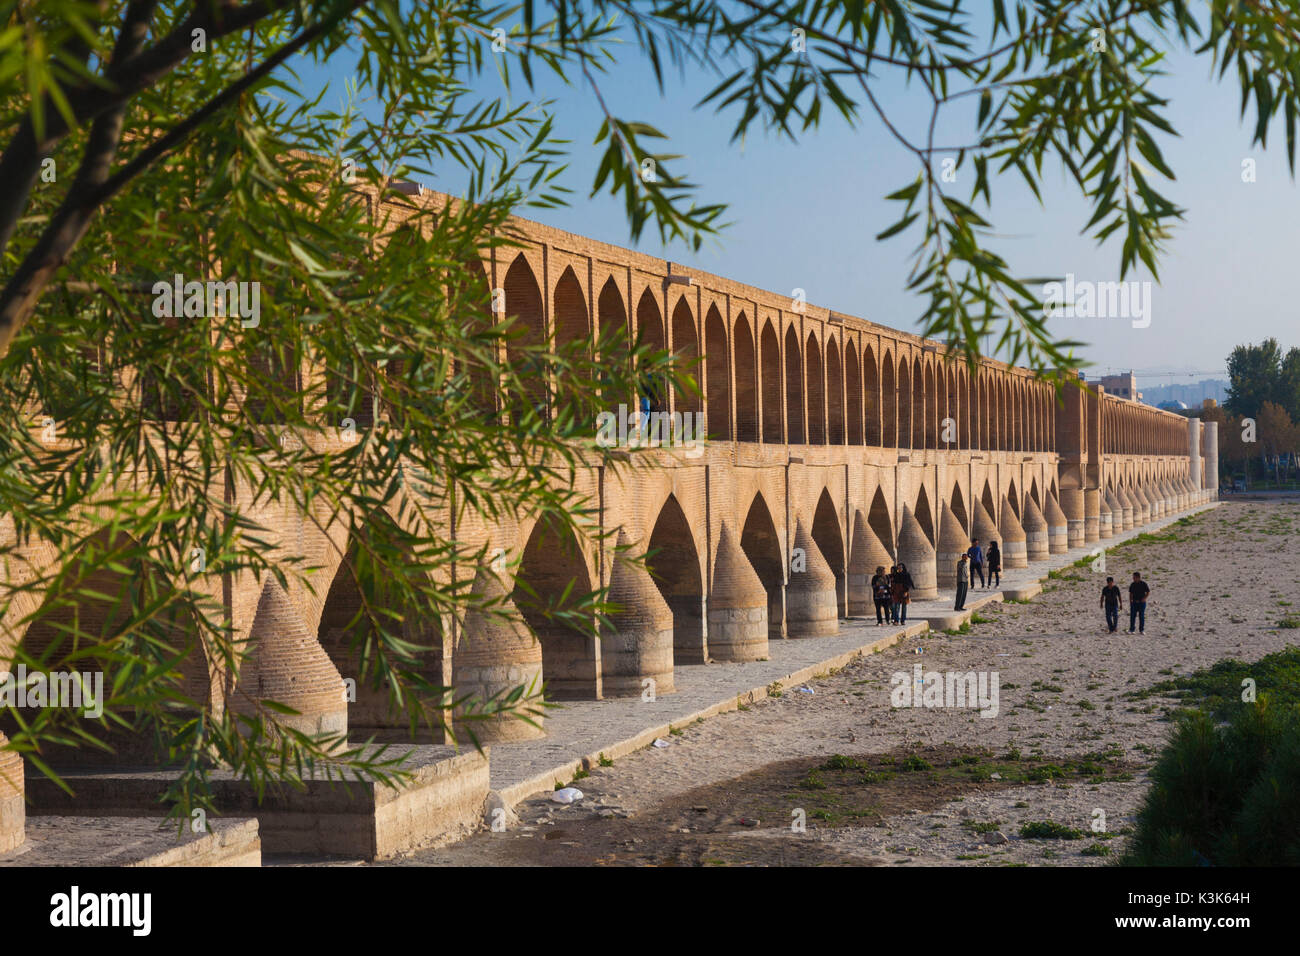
{"type": "Point", "coordinates": [840, 776]}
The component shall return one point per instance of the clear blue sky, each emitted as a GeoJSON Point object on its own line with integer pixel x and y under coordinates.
{"type": "Point", "coordinates": [806, 215]}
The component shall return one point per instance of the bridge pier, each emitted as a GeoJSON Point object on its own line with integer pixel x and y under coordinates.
{"type": "Point", "coordinates": [737, 605]}
{"type": "Point", "coordinates": [13, 811]}
{"type": "Point", "coordinates": [811, 600]}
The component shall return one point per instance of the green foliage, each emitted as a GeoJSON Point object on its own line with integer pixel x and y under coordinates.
{"type": "Point", "coordinates": [1226, 795]}
{"type": "Point", "coordinates": [1049, 830]}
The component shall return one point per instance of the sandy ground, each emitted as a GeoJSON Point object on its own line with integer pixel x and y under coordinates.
{"type": "Point", "coordinates": [943, 785]}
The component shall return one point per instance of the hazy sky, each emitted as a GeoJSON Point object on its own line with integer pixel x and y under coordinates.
{"type": "Point", "coordinates": [806, 215]}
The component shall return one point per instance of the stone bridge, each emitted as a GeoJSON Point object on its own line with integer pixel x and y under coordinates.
{"type": "Point", "coordinates": [835, 445]}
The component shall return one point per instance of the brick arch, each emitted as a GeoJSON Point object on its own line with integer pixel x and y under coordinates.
{"type": "Point", "coordinates": [888, 403]}
{"type": "Point", "coordinates": [686, 349]}
{"type": "Point", "coordinates": [96, 606]}
{"type": "Point", "coordinates": [528, 333]}
{"type": "Point", "coordinates": [762, 546]}
{"type": "Point", "coordinates": [794, 390]}
{"type": "Point", "coordinates": [905, 410]}
{"type": "Point", "coordinates": [834, 394]}
{"type": "Point", "coordinates": [925, 514]}
{"type": "Point", "coordinates": [673, 559]}
{"type": "Point", "coordinates": [987, 500]}
{"type": "Point", "coordinates": [1013, 499]}
{"type": "Point", "coordinates": [770, 385]}
{"type": "Point", "coordinates": [718, 376]}
{"type": "Point", "coordinates": [613, 337]}
{"type": "Point", "coordinates": [957, 503]}
{"type": "Point", "coordinates": [554, 576]}
{"type": "Point", "coordinates": [572, 331]}
{"type": "Point", "coordinates": [815, 378]}
{"type": "Point", "coordinates": [853, 392]}
{"type": "Point", "coordinates": [920, 410]}
{"type": "Point", "coordinates": [746, 379]}
{"type": "Point", "coordinates": [881, 522]}
{"type": "Point", "coordinates": [346, 631]}
{"type": "Point", "coordinates": [932, 403]}
{"type": "Point", "coordinates": [871, 397]}
{"type": "Point", "coordinates": [828, 534]}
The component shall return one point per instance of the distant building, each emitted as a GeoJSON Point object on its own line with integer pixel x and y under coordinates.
{"type": "Point", "coordinates": [1173, 406]}
{"type": "Point", "coordinates": [1121, 386]}
{"type": "Point", "coordinates": [1193, 395]}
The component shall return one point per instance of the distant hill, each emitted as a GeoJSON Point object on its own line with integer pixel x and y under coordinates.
{"type": "Point", "coordinates": [1190, 395]}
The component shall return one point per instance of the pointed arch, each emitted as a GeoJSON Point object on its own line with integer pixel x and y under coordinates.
{"type": "Point", "coordinates": [904, 403]}
{"type": "Point", "coordinates": [834, 394]}
{"type": "Point", "coordinates": [828, 535]}
{"type": "Point", "coordinates": [958, 505]}
{"type": "Point", "coordinates": [345, 631]}
{"type": "Point", "coordinates": [572, 330]}
{"type": "Point", "coordinates": [919, 408]}
{"type": "Point", "coordinates": [871, 397]}
{"type": "Point", "coordinates": [524, 304]}
{"type": "Point", "coordinates": [1013, 498]}
{"type": "Point", "coordinates": [888, 404]}
{"type": "Point", "coordinates": [762, 547]}
{"type": "Point", "coordinates": [1036, 494]}
{"type": "Point", "coordinates": [718, 411]}
{"type": "Point", "coordinates": [853, 392]}
{"type": "Point", "coordinates": [932, 402]}
{"type": "Point", "coordinates": [770, 355]}
{"type": "Point", "coordinates": [816, 393]}
{"type": "Point", "coordinates": [674, 564]}
{"type": "Point", "coordinates": [686, 350]}
{"type": "Point", "coordinates": [96, 601]}
{"type": "Point", "coordinates": [742, 337]}
{"type": "Point", "coordinates": [925, 514]}
{"type": "Point", "coordinates": [986, 499]}
{"type": "Point", "coordinates": [613, 338]}
{"type": "Point", "coordinates": [794, 394]}
{"type": "Point", "coordinates": [553, 578]}
{"type": "Point", "coordinates": [881, 522]}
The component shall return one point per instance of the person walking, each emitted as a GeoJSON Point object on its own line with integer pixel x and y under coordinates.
{"type": "Point", "coordinates": [963, 583]}
{"type": "Point", "coordinates": [880, 594]}
{"type": "Point", "coordinates": [995, 563]}
{"type": "Point", "coordinates": [900, 587]}
{"type": "Point", "coordinates": [976, 555]}
{"type": "Point", "coordinates": [1112, 601]}
{"type": "Point", "coordinates": [1138, 592]}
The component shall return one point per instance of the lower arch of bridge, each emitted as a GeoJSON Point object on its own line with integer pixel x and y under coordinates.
{"type": "Point", "coordinates": [989, 502]}
{"type": "Point", "coordinates": [762, 546]}
{"type": "Point", "coordinates": [674, 564]}
{"type": "Point", "coordinates": [347, 631]}
{"type": "Point", "coordinates": [99, 606]}
{"type": "Point", "coordinates": [552, 565]}
{"type": "Point", "coordinates": [881, 523]}
{"type": "Point", "coordinates": [958, 505]}
{"type": "Point", "coordinates": [924, 514]}
{"type": "Point", "coordinates": [828, 535]}
{"type": "Point", "coordinates": [1013, 499]}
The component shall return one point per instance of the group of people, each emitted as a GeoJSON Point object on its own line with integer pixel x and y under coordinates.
{"type": "Point", "coordinates": [1112, 602]}
{"type": "Point", "coordinates": [973, 563]}
{"type": "Point", "coordinates": [892, 593]}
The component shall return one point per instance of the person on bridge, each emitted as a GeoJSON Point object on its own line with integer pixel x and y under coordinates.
{"type": "Point", "coordinates": [1112, 600]}
{"type": "Point", "coordinates": [1138, 592]}
{"type": "Point", "coordinates": [976, 555]}
{"type": "Point", "coordinates": [995, 563]}
{"type": "Point", "coordinates": [900, 587]}
{"type": "Point", "coordinates": [963, 583]}
{"type": "Point", "coordinates": [880, 594]}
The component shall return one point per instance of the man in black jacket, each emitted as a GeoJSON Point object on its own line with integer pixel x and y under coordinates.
{"type": "Point", "coordinates": [1138, 592]}
{"type": "Point", "coordinates": [1113, 601]}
